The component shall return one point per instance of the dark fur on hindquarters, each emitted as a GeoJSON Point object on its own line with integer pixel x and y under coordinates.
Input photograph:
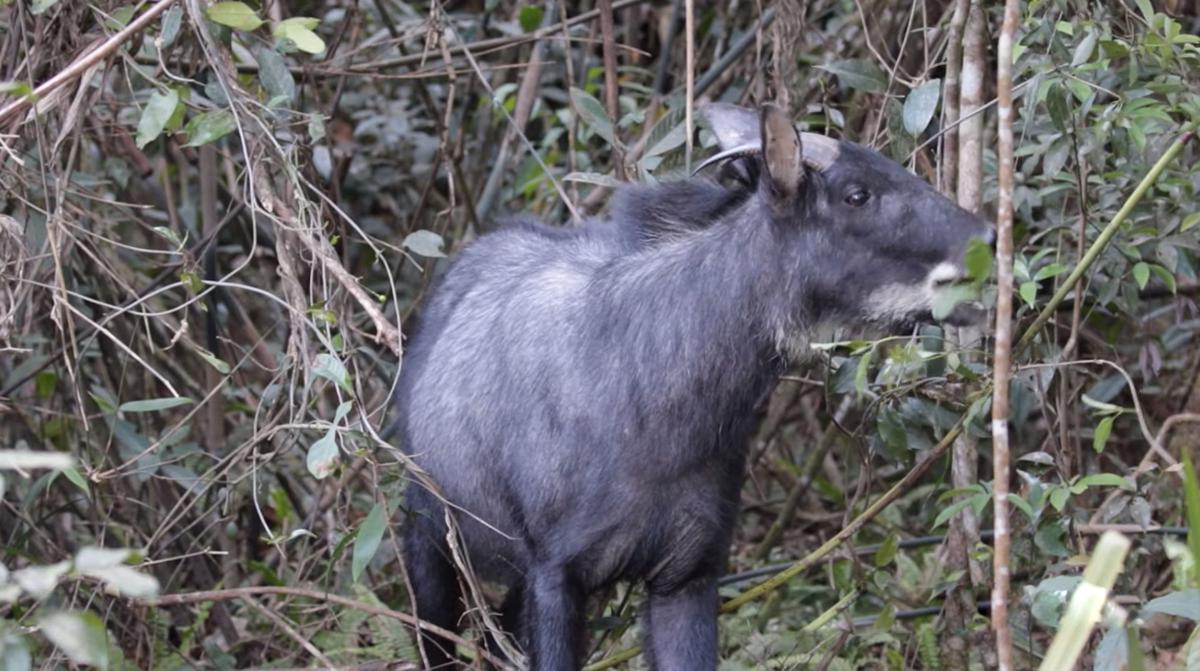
{"type": "Point", "coordinates": [588, 392]}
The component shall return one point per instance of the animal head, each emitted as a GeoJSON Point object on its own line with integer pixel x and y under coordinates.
{"type": "Point", "coordinates": [880, 244]}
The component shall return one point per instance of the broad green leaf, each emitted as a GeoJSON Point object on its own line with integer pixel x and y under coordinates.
{"type": "Point", "coordinates": [209, 127]}
{"type": "Point", "coordinates": [331, 368]}
{"type": "Point", "coordinates": [1103, 431]}
{"type": "Point", "coordinates": [530, 17]}
{"type": "Point", "coordinates": [1184, 603]}
{"type": "Point", "coordinates": [858, 73]}
{"type": "Point", "coordinates": [299, 29]}
{"type": "Point", "coordinates": [425, 243]}
{"type": "Point", "coordinates": [1189, 221]}
{"type": "Point", "coordinates": [323, 455]}
{"type": "Point", "coordinates": [154, 404]}
{"type": "Point", "coordinates": [920, 105]}
{"type": "Point", "coordinates": [887, 550]}
{"type": "Point", "coordinates": [236, 15]}
{"type": "Point", "coordinates": [593, 114]}
{"type": "Point", "coordinates": [274, 74]}
{"type": "Point", "coordinates": [80, 635]}
{"type": "Point", "coordinates": [978, 261]}
{"type": "Point", "coordinates": [171, 22]}
{"type": "Point", "coordinates": [155, 115]}
{"type": "Point", "coordinates": [1083, 51]}
{"type": "Point", "coordinates": [1141, 274]}
{"type": "Point", "coordinates": [370, 532]}
{"type": "Point", "coordinates": [1028, 291]}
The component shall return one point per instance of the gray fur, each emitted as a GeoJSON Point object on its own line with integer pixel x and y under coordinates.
{"type": "Point", "coordinates": [588, 392]}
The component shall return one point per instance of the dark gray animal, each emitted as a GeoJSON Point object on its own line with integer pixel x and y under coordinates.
{"type": "Point", "coordinates": [586, 394]}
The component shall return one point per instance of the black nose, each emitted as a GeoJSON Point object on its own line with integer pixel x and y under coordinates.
{"type": "Point", "coordinates": [989, 236]}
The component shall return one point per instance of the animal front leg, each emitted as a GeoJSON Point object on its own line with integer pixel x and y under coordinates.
{"type": "Point", "coordinates": [553, 620]}
{"type": "Point", "coordinates": [681, 627]}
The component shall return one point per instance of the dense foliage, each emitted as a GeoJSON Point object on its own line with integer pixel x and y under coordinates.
{"type": "Point", "coordinates": [214, 232]}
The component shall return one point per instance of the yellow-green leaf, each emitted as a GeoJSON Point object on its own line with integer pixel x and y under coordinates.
{"type": "Point", "coordinates": [236, 15]}
{"type": "Point", "coordinates": [299, 30]}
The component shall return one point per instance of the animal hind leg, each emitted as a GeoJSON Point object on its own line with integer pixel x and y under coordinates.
{"type": "Point", "coordinates": [553, 619]}
{"type": "Point", "coordinates": [681, 626]}
{"type": "Point", "coordinates": [435, 587]}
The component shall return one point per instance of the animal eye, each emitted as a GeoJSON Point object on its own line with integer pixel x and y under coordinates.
{"type": "Point", "coordinates": [858, 197]}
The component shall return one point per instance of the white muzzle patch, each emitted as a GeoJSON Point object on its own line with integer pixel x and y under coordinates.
{"type": "Point", "coordinates": [898, 301]}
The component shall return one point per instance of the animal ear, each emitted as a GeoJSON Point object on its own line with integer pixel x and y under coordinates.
{"type": "Point", "coordinates": [782, 153]}
{"type": "Point", "coordinates": [734, 126]}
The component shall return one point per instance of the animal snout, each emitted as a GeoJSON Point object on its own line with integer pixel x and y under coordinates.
{"type": "Point", "coordinates": [989, 236]}
{"type": "Point", "coordinates": [945, 274]}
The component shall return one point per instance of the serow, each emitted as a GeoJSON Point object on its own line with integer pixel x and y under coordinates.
{"type": "Point", "coordinates": [583, 397]}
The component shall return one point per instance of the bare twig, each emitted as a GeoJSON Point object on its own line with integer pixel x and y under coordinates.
{"type": "Point", "coordinates": [85, 63]}
{"type": "Point", "coordinates": [1002, 365]}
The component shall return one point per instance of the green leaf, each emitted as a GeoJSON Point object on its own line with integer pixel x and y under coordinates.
{"type": "Point", "coordinates": [331, 368]}
{"type": "Point", "coordinates": [40, 6]}
{"type": "Point", "coordinates": [592, 112]}
{"type": "Point", "coordinates": [155, 115]}
{"type": "Point", "coordinates": [1165, 276]}
{"type": "Point", "coordinates": [1103, 431]}
{"type": "Point", "coordinates": [978, 261]}
{"type": "Point", "coordinates": [920, 105]}
{"type": "Point", "coordinates": [171, 22]}
{"type": "Point", "coordinates": [16, 89]}
{"type": "Point", "coordinates": [274, 74]}
{"type": "Point", "coordinates": [1191, 505]}
{"type": "Point", "coordinates": [424, 243]}
{"type": "Point", "coordinates": [370, 532]}
{"type": "Point", "coordinates": [76, 478]}
{"type": "Point", "coordinates": [530, 17]}
{"type": "Point", "coordinates": [1147, 9]}
{"type": "Point", "coordinates": [1101, 480]}
{"type": "Point", "coordinates": [1059, 107]}
{"type": "Point", "coordinates": [236, 15]}
{"type": "Point", "coordinates": [1141, 274]}
{"type": "Point", "coordinates": [299, 29]}
{"type": "Point", "coordinates": [1021, 504]}
{"type": "Point", "coordinates": [221, 366]}
{"type": "Point", "coordinates": [153, 404]}
{"type": "Point", "coordinates": [887, 550]}
{"type": "Point", "coordinates": [1028, 291]}
{"type": "Point", "coordinates": [80, 635]}
{"type": "Point", "coordinates": [322, 455]}
{"type": "Point", "coordinates": [953, 509]}
{"type": "Point", "coordinates": [1058, 497]}
{"type": "Point", "coordinates": [209, 127]}
{"type": "Point", "coordinates": [1189, 221]}
{"type": "Point", "coordinates": [1048, 271]}
{"type": "Point", "coordinates": [1184, 603]}
{"type": "Point", "coordinates": [1083, 51]}
{"type": "Point", "coordinates": [858, 73]}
